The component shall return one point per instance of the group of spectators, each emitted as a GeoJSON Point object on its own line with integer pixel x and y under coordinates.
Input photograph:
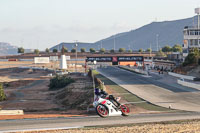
{"type": "Point", "coordinates": [161, 70]}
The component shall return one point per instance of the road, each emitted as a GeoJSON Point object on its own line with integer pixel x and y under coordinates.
{"type": "Point", "coordinates": [65, 123]}
{"type": "Point", "coordinates": [159, 90]}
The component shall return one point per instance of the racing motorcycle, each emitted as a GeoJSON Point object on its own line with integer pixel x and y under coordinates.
{"type": "Point", "coordinates": [107, 105]}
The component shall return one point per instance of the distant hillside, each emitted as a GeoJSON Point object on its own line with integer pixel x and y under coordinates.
{"type": "Point", "coordinates": [7, 49]}
{"type": "Point", "coordinates": [169, 33]}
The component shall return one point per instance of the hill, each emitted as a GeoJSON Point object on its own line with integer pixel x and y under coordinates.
{"type": "Point", "coordinates": [166, 32]}
{"type": "Point", "coordinates": [7, 49]}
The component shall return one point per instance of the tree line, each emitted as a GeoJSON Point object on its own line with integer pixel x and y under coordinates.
{"type": "Point", "coordinates": [167, 48]}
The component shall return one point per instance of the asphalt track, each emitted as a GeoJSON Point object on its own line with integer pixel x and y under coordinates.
{"type": "Point", "coordinates": [161, 90]}
{"type": "Point", "coordinates": [79, 122]}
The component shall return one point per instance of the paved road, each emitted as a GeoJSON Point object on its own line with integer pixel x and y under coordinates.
{"type": "Point", "coordinates": [64, 123]}
{"type": "Point", "coordinates": [159, 90]}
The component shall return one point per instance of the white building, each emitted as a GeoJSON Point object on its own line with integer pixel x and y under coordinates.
{"type": "Point", "coordinates": [191, 35]}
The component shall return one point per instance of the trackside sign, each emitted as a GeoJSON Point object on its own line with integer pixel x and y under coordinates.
{"type": "Point", "coordinates": [115, 58]}
{"type": "Point", "coordinates": [130, 58]}
{"type": "Point", "coordinates": [41, 60]}
{"type": "Point", "coordinates": [99, 59]}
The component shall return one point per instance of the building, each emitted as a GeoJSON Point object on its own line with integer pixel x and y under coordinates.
{"type": "Point", "coordinates": [191, 36]}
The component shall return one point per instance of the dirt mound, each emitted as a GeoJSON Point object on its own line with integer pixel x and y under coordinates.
{"type": "Point", "coordinates": [77, 95]}
{"type": "Point", "coordinates": [195, 72]}
{"type": "Point", "coordinates": [185, 70]}
{"type": "Point", "coordinates": [16, 84]}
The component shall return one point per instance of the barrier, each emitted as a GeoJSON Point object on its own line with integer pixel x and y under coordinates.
{"type": "Point", "coordinates": [4, 60]}
{"type": "Point", "coordinates": [188, 84]}
{"type": "Point", "coordinates": [134, 70]}
{"type": "Point", "coordinates": [11, 112]}
{"type": "Point", "coordinates": [181, 76]}
{"type": "Point", "coordinates": [26, 59]}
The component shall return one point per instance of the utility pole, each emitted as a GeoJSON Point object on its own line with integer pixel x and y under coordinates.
{"type": "Point", "coordinates": [76, 44]}
{"type": "Point", "coordinates": [197, 11]}
{"type": "Point", "coordinates": [114, 43]}
{"type": "Point", "coordinates": [132, 45]}
{"type": "Point", "coordinates": [150, 49]}
{"type": "Point", "coordinates": [157, 35]}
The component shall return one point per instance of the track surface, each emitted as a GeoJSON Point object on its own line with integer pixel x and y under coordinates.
{"type": "Point", "coordinates": [161, 90]}
{"type": "Point", "coordinates": [64, 123]}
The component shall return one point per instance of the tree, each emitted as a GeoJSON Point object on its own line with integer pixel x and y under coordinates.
{"type": "Point", "coordinates": [55, 50]}
{"type": "Point", "coordinates": [36, 51]}
{"type": "Point", "coordinates": [65, 50]}
{"type": "Point", "coordinates": [160, 53]}
{"type": "Point", "coordinates": [47, 50]}
{"type": "Point", "coordinates": [73, 50]}
{"type": "Point", "coordinates": [122, 50]}
{"type": "Point", "coordinates": [167, 48]}
{"type": "Point", "coordinates": [21, 50]}
{"type": "Point", "coordinates": [2, 94]}
{"type": "Point", "coordinates": [190, 59]}
{"type": "Point", "coordinates": [83, 50]}
{"type": "Point", "coordinates": [112, 51]}
{"type": "Point", "coordinates": [130, 51]}
{"type": "Point", "coordinates": [149, 50]}
{"type": "Point", "coordinates": [193, 57]}
{"type": "Point", "coordinates": [102, 50]}
{"type": "Point", "coordinates": [177, 48]}
{"type": "Point", "coordinates": [140, 50]}
{"type": "Point", "coordinates": [92, 50]}
{"type": "Point", "coordinates": [195, 51]}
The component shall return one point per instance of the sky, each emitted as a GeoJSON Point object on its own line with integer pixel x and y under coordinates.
{"type": "Point", "coordinates": [40, 24]}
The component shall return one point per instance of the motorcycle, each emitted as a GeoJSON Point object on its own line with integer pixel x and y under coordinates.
{"type": "Point", "coordinates": [109, 106]}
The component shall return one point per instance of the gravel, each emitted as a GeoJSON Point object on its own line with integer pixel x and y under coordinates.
{"type": "Point", "coordinates": [191, 126]}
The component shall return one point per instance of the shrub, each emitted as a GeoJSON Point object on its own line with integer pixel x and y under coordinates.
{"type": "Point", "coordinates": [92, 50]}
{"type": "Point", "coordinates": [190, 59]}
{"type": "Point", "coordinates": [2, 94]}
{"type": "Point", "coordinates": [60, 82]}
{"type": "Point", "coordinates": [122, 50]}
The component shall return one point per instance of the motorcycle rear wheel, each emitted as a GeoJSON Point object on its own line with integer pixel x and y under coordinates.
{"type": "Point", "coordinates": [102, 110]}
{"type": "Point", "coordinates": [125, 110]}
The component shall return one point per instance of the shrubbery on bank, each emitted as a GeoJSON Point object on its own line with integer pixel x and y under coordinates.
{"type": "Point", "coordinates": [60, 81]}
{"type": "Point", "coordinates": [2, 94]}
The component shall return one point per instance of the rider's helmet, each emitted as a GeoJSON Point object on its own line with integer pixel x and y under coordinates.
{"type": "Point", "coordinates": [97, 91]}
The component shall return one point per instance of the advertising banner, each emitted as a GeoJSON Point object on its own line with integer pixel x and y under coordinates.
{"type": "Point", "coordinates": [53, 58]}
{"type": "Point", "coordinates": [41, 60]}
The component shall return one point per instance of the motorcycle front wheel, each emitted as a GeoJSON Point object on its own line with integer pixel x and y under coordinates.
{"type": "Point", "coordinates": [102, 110]}
{"type": "Point", "coordinates": [125, 110]}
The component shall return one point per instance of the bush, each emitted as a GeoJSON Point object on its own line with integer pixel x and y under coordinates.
{"type": "Point", "coordinates": [191, 59]}
{"type": "Point", "coordinates": [60, 82]}
{"type": "Point", "coordinates": [2, 94]}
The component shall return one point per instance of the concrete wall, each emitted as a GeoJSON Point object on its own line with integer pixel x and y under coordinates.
{"type": "Point", "coordinates": [189, 84]}
{"type": "Point", "coordinates": [134, 70]}
{"type": "Point", "coordinates": [11, 112]}
{"type": "Point", "coordinates": [181, 76]}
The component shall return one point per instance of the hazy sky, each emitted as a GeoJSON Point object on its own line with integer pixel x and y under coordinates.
{"type": "Point", "coordinates": [44, 23]}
